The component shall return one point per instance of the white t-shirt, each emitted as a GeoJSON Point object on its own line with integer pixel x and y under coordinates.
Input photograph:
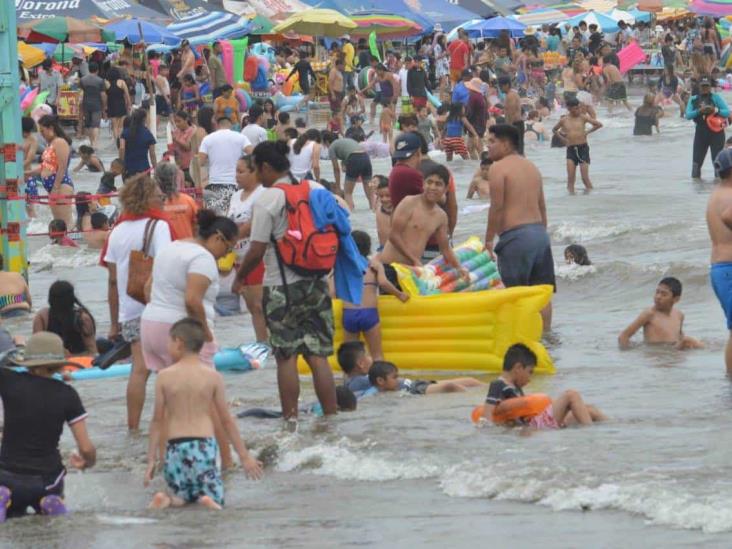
{"type": "Point", "coordinates": [124, 238]}
{"type": "Point", "coordinates": [301, 164]}
{"type": "Point", "coordinates": [241, 212]}
{"type": "Point", "coordinates": [223, 148]}
{"type": "Point", "coordinates": [403, 80]}
{"type": "Point", "coordinates": [255, 133]}
{"type": "Point", "coordinates": [170, 276]}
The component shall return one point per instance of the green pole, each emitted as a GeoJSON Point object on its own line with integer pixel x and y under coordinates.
{"type": "Point", "coordinates": [13, 244]}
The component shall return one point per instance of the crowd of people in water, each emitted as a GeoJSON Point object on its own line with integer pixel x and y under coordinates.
{"type": "Point", "coordinates": [233, 213]}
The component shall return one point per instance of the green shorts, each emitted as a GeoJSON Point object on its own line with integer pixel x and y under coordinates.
{"type": "Point", "coordinates": [305, 327]}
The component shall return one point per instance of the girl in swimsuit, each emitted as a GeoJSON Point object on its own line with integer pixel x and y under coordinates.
{"type": "Point", "coordinates": [668, 87]}
{"type": "Point", "coordinates": [53, 173]}
{"type": "Point", "coordinates": [15, 299]}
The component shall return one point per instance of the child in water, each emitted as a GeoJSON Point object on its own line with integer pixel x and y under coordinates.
{"type": "Point", "coordinates": [384, 209]}
{"type": "Point", "coordinates": [89, 159]}
{"type": "Point", "coordinates": [57, 231]}
{"type": "Point", "coordinates": [662, 323]}
{"type": "Point", "coordinates": [518, 366]}
{"type": "Point", "coordinates": [364, 318]}
{"type": "Point", "coordinates": [186, 394]}
{"type": "Point", "coordinates": [577, 255]}
{"type": "Point", "coordinates": [384, 377]}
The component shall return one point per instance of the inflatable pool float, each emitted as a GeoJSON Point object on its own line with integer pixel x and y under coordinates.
{"type": "Point", "coordinates": [468, 331]}
{"type": "Point", "coordinates": [513, 409]}
{"type": "Point", "coordinates": [244, 358]}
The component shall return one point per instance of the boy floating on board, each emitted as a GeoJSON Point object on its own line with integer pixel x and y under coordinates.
{"type": "Point", "coordinates": [186, 393]}
{"type": "Point", "coordinates": [662, 323]}
{"type": "Point", "coordinates": [518, 366]}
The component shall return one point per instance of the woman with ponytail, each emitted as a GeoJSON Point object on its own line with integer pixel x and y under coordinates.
{"type": "Point", "coordinates": [69, 319]}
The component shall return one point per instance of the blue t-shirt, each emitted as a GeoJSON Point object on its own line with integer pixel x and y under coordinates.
{"type": "Point", "coordinates": [136, 158]}
{"type": "Point", "coordinates": [460, 94]}
{"type": "Point", "coordinates": [454, 128]}
{"type": "Point", "coordinates": [358, 385]}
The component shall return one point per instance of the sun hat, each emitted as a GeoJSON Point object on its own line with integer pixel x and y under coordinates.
{"type": "Point", "coordinates": [43, 349]}
{"type": "Point", "coordinates": [475, 85]}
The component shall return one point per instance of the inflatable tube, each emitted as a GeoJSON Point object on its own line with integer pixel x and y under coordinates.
{"type": "Point", "coordinates": [457, 332]}
{"type": "Point", "coordinates": [520, 408]}
{"type": "Point", "coordinates": [245, 358]}
{"type": "Point", "coordinates": [363, 81]}
{"type": "Point", "coordinates": [227, 59]}
{"type": "Point", "coordinates": [28, 99]}
{"type": "Point", "coordinates": [241, 97]}
{"type": "Point", "coordinates": [281, 101]}
{"type": "Point", "coordinates": [239, 48]}
{"type": "Point", "coordinates": [251, 66]}
{"type": "Point", "coordinates": [38, 101]}
{"type": "Point", "coordinates": [373, 47]}
{"type": "Point", "coordinates": [436, 103]}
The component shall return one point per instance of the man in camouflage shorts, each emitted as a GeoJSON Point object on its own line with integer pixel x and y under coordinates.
{"type": "Point", "coordinates": [298, 309]}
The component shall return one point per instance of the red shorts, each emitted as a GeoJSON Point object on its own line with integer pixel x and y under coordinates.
{"type": "Point", "coordinates": [419, 102]}
{"type": "Point", "coordinates": [255, 276]}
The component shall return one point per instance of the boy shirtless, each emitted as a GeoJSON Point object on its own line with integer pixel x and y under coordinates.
{"type": "Point", "coordinates": [480, 183]}
{"type": "Point", "coordinates": [615, 92]}
{"type": "Point", "coordinates": [380, 185]}
{"type": "Point", "coordinates": [719, 223]}
{"type": "Point", "coordinates": [186, 395]}
{"type": "Point", "coordinates": [414, 221]}
{"type": "Point", "coordinates": [571, 130]}
{"type": "Point", "coordinates": [518, 366]}
{"type": "Point", "coordinates": [662, 323]}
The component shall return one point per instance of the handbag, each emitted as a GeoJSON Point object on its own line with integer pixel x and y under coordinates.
{"type": "Point", "coordinates": [141, 264]}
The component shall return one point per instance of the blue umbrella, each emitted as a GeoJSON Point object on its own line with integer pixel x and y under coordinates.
{"type": "Point", "coordinates": [492, 28]}
{"type": "Point", "coordinates": [139, 30]}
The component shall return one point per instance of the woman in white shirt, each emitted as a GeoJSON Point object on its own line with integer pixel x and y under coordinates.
{"type": "Point", "coordinates": [304, 156]}
{"type": "Point", "coordinates": [240, 212]}
{"type": "Point", "coordinates": [142, 202]}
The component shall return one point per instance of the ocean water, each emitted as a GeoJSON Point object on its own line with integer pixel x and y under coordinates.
{"type": "Point", "coordinates": [408, 471]}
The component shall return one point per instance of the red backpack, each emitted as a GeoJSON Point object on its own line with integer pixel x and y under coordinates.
{"type": "Point", "coordinates": [303, 248]}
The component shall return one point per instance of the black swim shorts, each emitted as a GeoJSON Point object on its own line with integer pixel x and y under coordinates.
{"type": "Point", "coordinates": [579, 154]}
{"type": "Point", "coordinates": [391, 276]}
{"type": "Point", "coordinates": [525, 256]}
{"type": "Point", "coordinates": [419, 387]}
{"type": "Point", "coordinates": [617, 92]}
{"type": "Point", "coordinates": [358, 165]}
{"type": "Point", "coordinates": [28, 490]}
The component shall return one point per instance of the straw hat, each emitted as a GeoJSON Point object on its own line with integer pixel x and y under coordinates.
{"type": "Point", "coordinates": [43, 349]}
{"type": "Point", "coordinates": [528, 31]}
{"type": "Point", "coordinates": [475, 85]}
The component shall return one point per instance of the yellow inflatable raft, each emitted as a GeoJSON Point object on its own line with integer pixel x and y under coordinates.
{"type": "Point", "coordinates": [458, 331]}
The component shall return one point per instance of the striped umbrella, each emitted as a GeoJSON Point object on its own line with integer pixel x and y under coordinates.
{"type": "Point", "coordinates": [209, 27]}
{"type": "Point", "coordinates": [716, 8]}
{"type": "Point", "coordinates": [542, 16]}
{"type": "Point", "coordinates": [384, 25]}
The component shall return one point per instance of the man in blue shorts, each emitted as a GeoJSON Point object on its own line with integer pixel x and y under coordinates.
{"type": "Point", "coordinates": [719, 222]}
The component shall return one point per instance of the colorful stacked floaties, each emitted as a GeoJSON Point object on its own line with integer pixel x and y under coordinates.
{"type": "Point", "coordinates": [439, 278]}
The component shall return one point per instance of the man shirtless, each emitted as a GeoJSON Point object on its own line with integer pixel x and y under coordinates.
{"type": "Point", "coordinates": [187, 394]}
{"type": "Point", "coordinates": [517, 214]}
{"type": "Point", "coordinates": [414, 221]}
{"type": "Point", "coordinates": [512, 110]}
{"type": "Point", "coordinates": [615, 91]}
{"type": "Point", "coordinates": [336, 91]}
{"type": "Point", "coordinates": [661, 323]}
{"type": "Point", "coordinates": [719, 222]}
{"type": "Point", "coordinates": [571, 130]}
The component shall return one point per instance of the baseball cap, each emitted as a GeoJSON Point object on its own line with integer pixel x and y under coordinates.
{"type": "Point", "coordinates": [723, 160]}
{"type": "Point", "coordinates": [705, 81]}
{"type": "Point", "coordinates": [406, 145]}
{"type": "Point", "coordinates": [467, 73]}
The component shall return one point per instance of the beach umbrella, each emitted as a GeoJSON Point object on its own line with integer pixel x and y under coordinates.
{"type": "Point", "coordinates": [570, 8]}
{"type": "Point", "coordinates": [209, 27]}
{"type": "Point", "coordinates": [604, 23]}
{"type": "Point", "coordinates": [542, 16]}
{"type": "Point", "coordinates": [600, 6]}
{"type": "Point", "coordinates": [492, 28]}
{"type": "Point", "coordinates": [639, 15]}
{"type": "Point", "coordinates": [63, 29]}
{"type": "Point", "coordinates": [384, 25]}
{"type": "Point", "coordinates": [139, 30]}
{"type": "Point", "coordinates": [316, 22]}
{"type": "Point", "coordinates": [30, 55]}
{"type": "Point", "coordinates": [657, 6]}
{"type": "Point", "coordinates": [716, 8]}
{"type": "Point", "coordinates": [620, 15]}
{"type": "Point", "coordinates": [260, 24]}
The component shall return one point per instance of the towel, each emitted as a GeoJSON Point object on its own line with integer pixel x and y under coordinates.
{"type": "Point", "coordinates": [350, 264]}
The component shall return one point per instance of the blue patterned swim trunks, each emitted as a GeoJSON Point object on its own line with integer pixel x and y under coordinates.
{"type": "Point", "coordinates": [191, 471]}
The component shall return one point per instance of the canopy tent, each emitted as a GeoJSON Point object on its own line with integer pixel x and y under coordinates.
{"type": "Point", "coordinates": [209, 27]}
{"type": "Point", "coordinates": [26, 10]}
{"type": "Point", "coordinates": [605, 23]}
{"type": "Point", "coordinates": [317, 22]}
{"type": "Point", "coordinates": [260, 25]}
{"type": "Point", "coordinates": [715, 8]}
{"type": "Point", "coordinates": [492, 28]}
{"type": "Point", "coordinates": [137, 30]}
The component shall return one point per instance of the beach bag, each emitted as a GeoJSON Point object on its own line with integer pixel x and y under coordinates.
{"type": "Point", "coordinates": [303, 248]}
{"type": "Point", "coordinates": [716, 123]}
{"type": "Point", "coordinates": [141, 264]}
